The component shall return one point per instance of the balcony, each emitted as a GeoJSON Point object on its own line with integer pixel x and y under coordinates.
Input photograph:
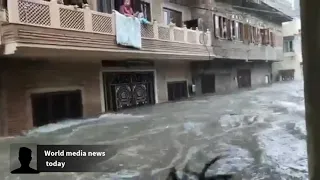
{"type": "Point", "coordinates": [48, 29]}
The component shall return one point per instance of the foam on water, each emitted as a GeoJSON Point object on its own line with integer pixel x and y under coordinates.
{"type": "Point", "coordinates": [124, 174]}
{"type": "Point", "coordinates": [194, 128]}
{"type": "Point", "coordinates": [120, 116]}
{"type": "Point", "coordinates": [291, 106]}
{"type": "Point", "coordinates": [262, 131]}
{"type": "Point", "coordinates": [280, 152]}
{"type": "Point", "coordinates": [61, 125]}
{"type": "Point", "coordinates": [71, 123]}
{"type": "Point", "coordinates": [283, 150]}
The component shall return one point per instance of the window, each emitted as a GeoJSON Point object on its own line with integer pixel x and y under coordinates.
{"type": "Point", "coordinates": [241, 31]}
{"type": "Point", "coordinates": [272, 39]}
{"type": "Point", "coordinates": [3, 4]}
{"type": "Point", "coordinates": [258, 36]}
{"type": "Point", "coordinates": [105, 6]}
{"type": "Point", "coordinates": [172, 16]}
{"type": "Point", "coordinates": [145, 8]}
{"type": "Point", "coordinates": [223, 27]}
{"type": "Point", "coordinates": [217, 26]}
{"type": "Point", "coordinates": [233, 30]}
{"type": "Point", "coordinates": [265, 35]}
{"type": "Point", "coordinates": [254, 35]}
{"type": "Point", "coordinates": [288, 46]}
{"type": "Point", "coordinates": [246, 33]}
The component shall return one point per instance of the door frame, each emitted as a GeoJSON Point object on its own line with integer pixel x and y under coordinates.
{"type": "Point", "coordinates": [250, 76]}
{"type": "Point", "coordinates": [104, 106]}
{"type": "Point", "coordinates": [208, 74]}
{"type": "Point", "coordinates": [177, 81]}
{"type": "Point", "coordinates": [48, 90]}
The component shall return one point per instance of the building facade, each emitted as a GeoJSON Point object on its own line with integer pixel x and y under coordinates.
{"type": "Point", "coordinates": [59, 61]}
{"type": "Point", "coordinates": [292, 65]}
{"type": "Point", "coordinates": [246, 41]}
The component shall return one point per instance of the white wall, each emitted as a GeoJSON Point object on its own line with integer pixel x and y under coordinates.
{"type": "Point", "coordinates": [291, 28]}
{"type": "Point", "coordinates": [291, 60]}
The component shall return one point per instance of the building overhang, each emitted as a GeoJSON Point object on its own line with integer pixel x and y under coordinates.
{"type": "Point", "coordinates": [41, 42]}
{"type": "Point", "coordinates": [267, 11]}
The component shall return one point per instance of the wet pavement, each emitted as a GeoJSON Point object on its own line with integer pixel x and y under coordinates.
{"type": "Point", "coordinates": [261, 131]}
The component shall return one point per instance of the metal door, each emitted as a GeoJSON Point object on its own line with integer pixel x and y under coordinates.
{"type": "Point", "coordinates": [125, 90]}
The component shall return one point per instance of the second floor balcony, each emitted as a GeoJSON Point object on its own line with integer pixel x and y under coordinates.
{"type": "Point", "coordinates": [41, 28]}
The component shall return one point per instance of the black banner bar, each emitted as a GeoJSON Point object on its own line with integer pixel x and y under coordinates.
{"type": "Point", "coordinates": [73, 158]}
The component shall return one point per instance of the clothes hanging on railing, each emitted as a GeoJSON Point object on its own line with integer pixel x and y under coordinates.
{"type": "Point", "coordinates": [128, 30]}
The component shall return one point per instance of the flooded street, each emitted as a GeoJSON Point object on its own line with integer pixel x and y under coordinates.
{"type": "Point", "coordinates": [262, 132]}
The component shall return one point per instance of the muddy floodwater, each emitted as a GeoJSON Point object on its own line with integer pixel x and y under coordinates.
{"type": "Point", "coordinates": [261, 131]}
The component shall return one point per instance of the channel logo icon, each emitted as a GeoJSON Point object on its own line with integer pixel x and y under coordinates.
{"type": "Point", "coordinates": [23, 159]}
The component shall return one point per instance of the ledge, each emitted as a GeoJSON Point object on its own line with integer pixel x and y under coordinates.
{"type": "Point", "coordinates": [25, 40]}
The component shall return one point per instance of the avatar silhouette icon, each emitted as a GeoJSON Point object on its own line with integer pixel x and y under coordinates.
{"type": "Point", "coordinates": [25, 159]}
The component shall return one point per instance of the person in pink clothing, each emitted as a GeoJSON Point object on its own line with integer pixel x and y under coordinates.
{"type": "Point", "coordinates": [127, 10]}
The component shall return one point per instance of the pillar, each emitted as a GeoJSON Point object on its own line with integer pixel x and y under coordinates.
{"type": "Point", "coordinates": [310, 45]}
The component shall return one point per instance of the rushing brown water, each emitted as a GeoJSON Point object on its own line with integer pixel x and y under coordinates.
{"type": "Point", "coordinates": [262, 132]}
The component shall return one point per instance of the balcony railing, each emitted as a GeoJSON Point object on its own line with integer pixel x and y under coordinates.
{"type": "Point", "coordinates": [53, 15]}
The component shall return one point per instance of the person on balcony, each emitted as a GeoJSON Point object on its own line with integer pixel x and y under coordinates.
{"type": "Point", "coordinates": [126, 9]}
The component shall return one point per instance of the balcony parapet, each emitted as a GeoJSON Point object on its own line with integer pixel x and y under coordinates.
{"type": "Point", "coordinates": [58, 16]}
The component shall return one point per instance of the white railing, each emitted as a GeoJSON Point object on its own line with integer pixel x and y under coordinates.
{"type": "Point", "coordinates": [58, 16]}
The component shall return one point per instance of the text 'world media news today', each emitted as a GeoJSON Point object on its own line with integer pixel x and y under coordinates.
{"type": "Point", "coordinates": [74, 158]}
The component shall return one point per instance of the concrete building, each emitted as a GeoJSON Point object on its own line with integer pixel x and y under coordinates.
{"type": "Point", "coordinates": [59, 62]}
{"type": "Point", "coordinates": [246, 40]}
{"type": "Point", "coordinates": [291, 66]}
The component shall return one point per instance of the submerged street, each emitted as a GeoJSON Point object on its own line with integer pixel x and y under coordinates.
{"type": "Point", "coordinates": [261, 131]}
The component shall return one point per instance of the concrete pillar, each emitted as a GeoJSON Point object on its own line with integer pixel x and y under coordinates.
{"type": "Point", "coordinates": [156, 7]}
{"type": "Point", "coordinates": [311, 44]}
{"type": "Point", "coordinates": [203, 9]}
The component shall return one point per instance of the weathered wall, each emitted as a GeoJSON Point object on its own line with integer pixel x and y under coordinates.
{"type": "Point", "coordinates": [225, 76]}
{"type": "Point", "coordinates": [168, 72]}
{"type": "Point", "coordinates": [234, 49]}
{"type": "Point", "coordinates": [156, 10]}
{"type": "Point", "coordinates": [23, 77]}
{"type": "Point", "coordinates": [201, 9]}
{"type": "Point", "coordinates": [227, 9]}
{"type": "Point", "coordinates": [259, 71]}
{"type": "Point", "coordinates": [291, 60]}
{"type": "Point", "coordinates": [239, 50]}
{"type": "Point", "coordinates": [291, 28]}
{"type": "Point", "coordinates": [186, 13]}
